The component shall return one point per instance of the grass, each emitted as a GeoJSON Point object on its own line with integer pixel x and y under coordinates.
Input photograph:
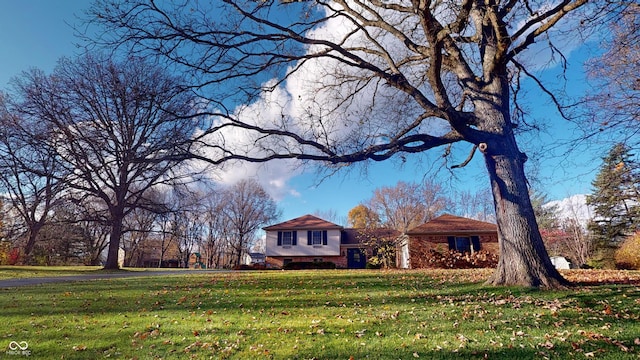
{"type": "Point", "coordinates": [320, 315]}
{"type": "Point", "coordinates": [15, 272]}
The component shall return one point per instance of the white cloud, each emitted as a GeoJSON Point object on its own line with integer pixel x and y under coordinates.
{"type": "Point", "coordinates": [573, 208]}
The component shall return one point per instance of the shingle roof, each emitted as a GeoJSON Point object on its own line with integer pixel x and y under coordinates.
{"type": "Point", "coordinates": [451, 224]}
{"type": "Point", "coordinates": [306, 222]}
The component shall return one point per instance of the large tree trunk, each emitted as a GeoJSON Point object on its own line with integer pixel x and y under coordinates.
{"type": "Point", "coordinates": [114, 244]}
{"type": "Point", "coordinates": [523, 258]}
{"type": "Point", "coordinates": [31, 241]}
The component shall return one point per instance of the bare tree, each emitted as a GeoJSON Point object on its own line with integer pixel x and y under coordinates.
{"type": "Point", "coordinates": [578, 243]}
{"type": "Point", "coordinates": [138, 229]}
{"type": "Point", "coordinates": [247, 208]}
{"type": "Point", "coordinates": [329, 215]}
{"type": "Point", "coordinates": [30, 176]}
{"type": "Point", "coordinates": [121, 128]}
{"type": "Point", "coordinates": [213, 244]}
{"type": "Point", "coordinates": [193, 232]}
{"type": "Point", "coordinates": [475, 205]}
{"type": "Point", "coordinates": [373, 80]}
{"type": "Point", "coordinates": [407, 205]}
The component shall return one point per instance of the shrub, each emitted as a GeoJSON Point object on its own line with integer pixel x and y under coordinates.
{"type": "Point", "coordinates": [9, 255]}
{"type": "Point", "coordinates": [250, 267]}
{"type": "Point", "coordinates": [628, 254]}
{"type": "Point", "coordinates": [303, 265]}
{"type": "Point", "coordinates": [373, 265]}
{"type": "Point", "coordinates": [457, 260]}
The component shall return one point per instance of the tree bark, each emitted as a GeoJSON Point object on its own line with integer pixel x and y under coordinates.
{"type": "Point", "coordinates": [523, 258]}
{"type": "Point", "coordinates": [31, 242]}
{"type": "Point", "coordinates": [114, 244]}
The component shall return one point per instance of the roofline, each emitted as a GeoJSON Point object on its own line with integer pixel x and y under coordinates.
{"type": "Point", "coordinates": [475, 231]}
{"type": "Point", "coordinates": [276, 227]}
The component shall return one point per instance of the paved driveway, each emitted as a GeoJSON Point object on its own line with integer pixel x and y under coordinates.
{"type": "Point", "coordinates": [11, 283]}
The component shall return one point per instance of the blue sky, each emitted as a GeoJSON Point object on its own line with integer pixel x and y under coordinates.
{"type": "Point", "coordinates": [35, 33]}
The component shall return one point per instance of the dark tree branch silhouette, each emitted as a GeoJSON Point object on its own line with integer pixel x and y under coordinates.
{"type": "Point", "coordinates": [351, 81]}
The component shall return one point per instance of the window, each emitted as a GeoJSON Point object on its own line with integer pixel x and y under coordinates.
{"type": "Point", "coordinates": [464, 244]}
{"type": "Point", "coordinates": [287, 238]}
{"type": "Point", "coordinates": [317, 237]}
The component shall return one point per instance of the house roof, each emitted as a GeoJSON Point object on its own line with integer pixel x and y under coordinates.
{"type": "Point", "coordinates": [306, 222]}
{"type": "Point", "coordinates": [353, 236]}
{"type": "Point", "coordinates": [448, 223]}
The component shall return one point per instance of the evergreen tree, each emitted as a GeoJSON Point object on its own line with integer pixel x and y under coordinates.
{"type": "Point", "coordinates": [546, 216]}
{"type": "Point", "coordinates": [616, 202]}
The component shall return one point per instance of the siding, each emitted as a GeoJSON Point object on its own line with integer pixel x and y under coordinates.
{"type": "Point", "coordinates": [302, 249]}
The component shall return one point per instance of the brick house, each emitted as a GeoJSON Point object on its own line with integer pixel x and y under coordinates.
{"type": "Point", "coordinates": [445, 233]}
{"type": "Point", "coordinates": [309, 238]}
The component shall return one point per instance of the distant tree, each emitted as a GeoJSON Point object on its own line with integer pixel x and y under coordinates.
{"type": "Point", "coordinates": [167, 237]}
{"type": "Point", "coordinates": [247, 208]}
{"type": "Point", "coordinates": [217, 237]}
{"type": "Point", "coordinates": [380, 243]}
{"type": "Point", "coordinates": [546, 215]}
{"type": "Point", "coordinates": [121, 128]}
{"type": "Point", "coordinates": [179, 222]}
{"type": "Point", "coordinates": [616, 202]}
{"type": "Point", "coordinates": [548, 223]}
{"type": "Point", "coordinates": [613, 105]}
{"type": "Point", "coordinates": [193, 231]}
{"type": "Point", "coordinates": [329, 215]}
{"type": "Point", "coordinates": [2, 211]}
{"type": "Point", "coordinates": [361, 217]}
{"type": "Point", "coordinates": [407, 205]}
{"type": "Point", "coordinates": [138, 229]}
{"type": "Point", "coordinates": [579, 244]}
{"type": "Point", "coordinates": [92, 219]}
{"type": "Point", "coordinates": [62, 240]}
{"type": "Point", "coordinates": [474, 205]}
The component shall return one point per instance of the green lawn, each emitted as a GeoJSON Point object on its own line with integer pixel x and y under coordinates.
{"type": "Point", "coordinates": [14, 272]}
{"type": "Point", "coordinates": [319, 315]}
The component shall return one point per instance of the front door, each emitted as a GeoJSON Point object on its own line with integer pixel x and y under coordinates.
{"type": "Point", "coordinates": [356, 259]}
